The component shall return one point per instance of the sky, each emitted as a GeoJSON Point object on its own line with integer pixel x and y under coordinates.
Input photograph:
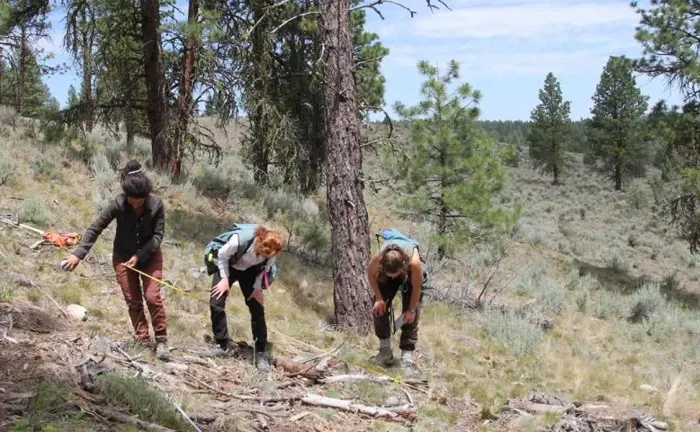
{"type": "Point", "coordinates": [505, 49]}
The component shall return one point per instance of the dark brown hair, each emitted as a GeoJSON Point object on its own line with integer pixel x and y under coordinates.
{"type": "Point", "coordinates": [135, 184]}
{"type": "Point", "coordinates": [393, 260]}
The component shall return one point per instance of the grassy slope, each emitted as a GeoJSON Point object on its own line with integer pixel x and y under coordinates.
{"type": "Point", "coordinates": [477, 361]}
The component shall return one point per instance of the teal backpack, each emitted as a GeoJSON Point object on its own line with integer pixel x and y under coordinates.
{"type": "Point", "coordinates": [386, 237]}
{"type": "Point", "coordinates": [246, 236]}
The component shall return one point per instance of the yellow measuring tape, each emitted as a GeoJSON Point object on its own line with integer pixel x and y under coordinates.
{"type": "Point", "coordinates": [380, 371]}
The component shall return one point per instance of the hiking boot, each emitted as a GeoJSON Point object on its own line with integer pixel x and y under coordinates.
{"type": "Point", "coordinates": [221, 350]}
{"type": "Point", "coordinates": [406, 359]}
{"type": "Point", "coordinates": [384, 357]}
{"type": "Point", "coordinates": [262, 362]}
{"type": "Point", "coordinates": [162, 351]}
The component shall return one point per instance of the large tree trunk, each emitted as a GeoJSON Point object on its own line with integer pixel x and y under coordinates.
{"type": "Point", "coordinates": [2, 74]}
{"type": "Point", "coordinates": [348, 213]}
{"type": "Point", "coordinates": [618, 176]}
{"type": "Point", "coordinates": [87, 76]}
{"type": "Point", "coordinates": [259, 118]}
{"type": "Point", "coordinates": [184, 103]}
{"type": "Point", "coordinates": [156, 107]}
{"type": "Point", "coordinates": [22, 79]}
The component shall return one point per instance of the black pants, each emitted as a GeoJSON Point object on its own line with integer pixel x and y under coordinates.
{"type": "Point", "coordinates": [382, 324]}
{"type": "Point", "coordinates": [219, 326]}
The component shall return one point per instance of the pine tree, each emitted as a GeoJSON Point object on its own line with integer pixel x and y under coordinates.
{"type": "Point", "coordinates": [616, 129]}
{"type": "Point", "coordinates": [669, 32]}
{"type": "Point", "coordinates": [453, 171]}
{"type": "Point", "coordinates": [550, 129]}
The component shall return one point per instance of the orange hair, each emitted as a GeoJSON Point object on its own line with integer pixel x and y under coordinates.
{"type": "Point", "coordinates": [267, 242]}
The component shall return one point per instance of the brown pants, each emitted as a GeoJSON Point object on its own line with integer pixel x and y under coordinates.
{"type": "Point", "coordinates": [382, 324]}
{"type": "Point", "coordinates": [134, 295]}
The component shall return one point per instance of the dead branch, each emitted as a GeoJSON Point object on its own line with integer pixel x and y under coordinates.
{"type": "Point", "coordinates": [125, 419]}
{"type": "Point", "coordinates": [376, 3]}
{"type": "Point", "coordinates": [371, 378]}
{"type": "Point", "coordinates": [492, 273]}
{"type": "Point", "coordinates": [276, 29]}
{"type": "Point", "coordinates": [296, 369]}
{"type": "Point", "coordinates": [408, 397]}
{"type": "Point", "coordinates": [401, 414]}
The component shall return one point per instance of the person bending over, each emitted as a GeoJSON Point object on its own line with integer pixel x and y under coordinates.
{"type": "Point", "coordinates": [397, 267]}
{"type": "Point", "coordinates": [246, 257]}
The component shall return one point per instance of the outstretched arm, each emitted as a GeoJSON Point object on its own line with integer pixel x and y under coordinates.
{"type": "Point", "coordinates": [416, 280]}
{"type": "Point", "coordinates": [94, 231]}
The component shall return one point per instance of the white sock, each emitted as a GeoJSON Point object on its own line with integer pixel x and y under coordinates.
{"type": "Point", "coordinates": [385, 343]}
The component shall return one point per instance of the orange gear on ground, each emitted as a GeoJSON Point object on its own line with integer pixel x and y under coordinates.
{"type": "Point", "coordinates": [62, 239]}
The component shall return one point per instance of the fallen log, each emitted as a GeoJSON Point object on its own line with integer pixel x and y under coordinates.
{"type": "Point", "coordinates": [402, 414]}
{"type": "Point", "coordinates": [538, 408]}
{"type": "Point", "coordinates": [372, 378]}
{"type": "Point", "coordinates": [128, 420]}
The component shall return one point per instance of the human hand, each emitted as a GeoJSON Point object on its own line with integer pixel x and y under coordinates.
{"type": "Point", "coordinates": [132, 262]}
{"type": "Point", "coordinates": [379, 307]}
{"type": "Point", "coordinates": [409, 317]}
{"type": "Point", "coordinates": [70, 262]}
{"type": "Point", "coordinates": [220, 289]}
{"type": "Point", "coordinates": [258, 296]}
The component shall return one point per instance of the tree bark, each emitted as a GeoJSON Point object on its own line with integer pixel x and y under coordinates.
{"type": "Point", "coordinates": [22, 69]}
{"type": "Point", "coordinates": [156, 107]}
{"type": "Point", "coordinates": [87, 99]}
{"type": "Point", "coordinates": [348, 214]}
{"type": "Point", "coordinates": [2, 74]}
{"type": "Point", "coordinates": [184, 104]}
{"type": "Point", "coordinates": [618, 176]}
{"type": "Point", "coordinates": [259, 119]}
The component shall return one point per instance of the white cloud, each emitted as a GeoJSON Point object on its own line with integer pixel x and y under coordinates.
{"type": "Point", "coordinates": [516, 38]}
{"type": "Point", "coordinates": [522, 20]}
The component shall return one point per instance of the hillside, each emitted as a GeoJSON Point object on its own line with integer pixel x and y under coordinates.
{"type": "Point", "coordinates": [622, 290]}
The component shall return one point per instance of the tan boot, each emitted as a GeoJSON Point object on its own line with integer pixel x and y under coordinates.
{"type": "Point", "coordinates": [384, 357]}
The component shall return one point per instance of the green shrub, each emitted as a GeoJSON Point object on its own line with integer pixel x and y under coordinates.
{"type": "Point", "coordinates": [7, 166]}
{"type": "Point", "coordinates": [606, 305]}
{"type": "Point", "coordinates": [637, 197]}
{"type": "Point", "coordinates": [531, 278]}
{"type": "Point", "coordinates": [104, 174]}
{"type": "Point", "coordinates": [141, 399]}
{"type": "Point", "coordinates": [45, 168]}
{"type": "Point", "coordinates": [54, 133]}
{"type": "Point", "coordinates": [283, 202]}
{"type": "Point", "coordinates": [645, 302]}
{"type": "Point", "coordinates": [550, 294]}
{"type": "Point", "coordinates": [513, 332]}
{"type": "Point", "coordinates": [211, 180]}
{"type": "Point", "coordinates": [81, 149]}
{"type": "Point", "coordinates": [32, 210]}
{"type": "Point", "coordinates": [616, 261]}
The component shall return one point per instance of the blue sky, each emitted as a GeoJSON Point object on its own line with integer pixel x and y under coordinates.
{"type": "Point", "coordinates": [505, 49]}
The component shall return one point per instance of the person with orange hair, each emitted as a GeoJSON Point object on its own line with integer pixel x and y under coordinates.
{"type": "Point", "coordinates": [246, 255]}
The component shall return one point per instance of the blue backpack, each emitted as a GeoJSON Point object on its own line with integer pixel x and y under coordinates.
{"type": "Point", "coordinates": [246, 237]}
{"type": "Point", "coordinates": [386, 237]}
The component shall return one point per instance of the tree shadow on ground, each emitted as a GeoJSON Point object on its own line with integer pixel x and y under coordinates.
{"type": "Point", "coordinates": [624, 283]}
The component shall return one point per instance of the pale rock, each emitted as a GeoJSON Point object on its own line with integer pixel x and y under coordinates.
{"type": "Point", "coordinates": [78, 312]}
{"type": "Point", "coordinates": [646, 388]}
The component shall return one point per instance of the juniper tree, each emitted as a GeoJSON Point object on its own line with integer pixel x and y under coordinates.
{"type": "Point", "coordinates": [452, 171]}
{"type": "Point", "coordinates": [616, 130]}
{"type": "Point", "coordinates": [550, 129]}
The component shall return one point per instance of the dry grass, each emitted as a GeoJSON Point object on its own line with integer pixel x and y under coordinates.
{"type": "Point", "coordinates": [581, 254]}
